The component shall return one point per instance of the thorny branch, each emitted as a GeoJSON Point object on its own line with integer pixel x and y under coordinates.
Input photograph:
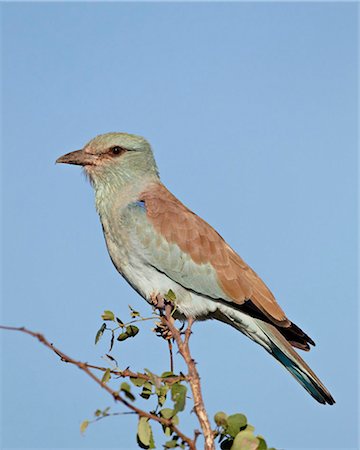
{"type": "Point", "coordinates": [191, 443]}
{"type": "Point", "coordinates": [193, 375]}
{"type": "Point", "coordinates": [233, 431]}
{"type": "Point", "coordinates": [166, 309]}
{"type": "Point", "coordinates": [169, 332]}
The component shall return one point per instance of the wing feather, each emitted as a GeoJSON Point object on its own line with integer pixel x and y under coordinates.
{"type": "Point", "coordinates": [203, 246]}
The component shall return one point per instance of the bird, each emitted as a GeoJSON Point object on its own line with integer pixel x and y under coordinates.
{"type": "Point", "coordinates": [159, 245]}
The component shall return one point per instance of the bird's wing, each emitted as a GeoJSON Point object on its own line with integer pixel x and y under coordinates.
{"type": "Point", "coordinates": [180, 244]}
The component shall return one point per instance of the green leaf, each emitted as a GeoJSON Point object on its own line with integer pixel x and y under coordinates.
{"type": "Point", "coordinates": [147, 390]}
{"type": "Point", "coordinates": [170, 296]}
{"type": "Point", "coordinates": [161, 400]}
{"type": "Point", "coordinates": [108, 315]}
{"type": "Point", "coordinates": [162, 390]}
{"type": "Point", "coordinates": [83, 426]}
{"type": "Point", "coordinates": [234, 423]}
{"type": "Point", "coordinates": [98, 413]}
{"type": "Point", "coordinates": [137, 381]}
{"type": "Point", "coordinates": [171, 444]}
{"type": "Point", "coordinates": [106, 377]}
{"type": "Point", "coordinates": [132, 330]}
{"type": "Point", "coordinates": [119, 321]}
{"type": "Point", "coordinates": [178, 396]}
{"type": "Point", "coordinates": [152, 442]}
{"type": "Point", "coordinates": [144, 431]}
{"type": "Point", "coordinates": [220, 418]}
{"type": "Point", "coordinates": [100, 333]}
{"type": "Point", "coordinates": [161, 393]}
{"type": "Point", "coordinates": [133, 312]}
{"type": "Point", "coordinates": [112, 359]}
{"type": "Point", "coordinates": [112, 341]}
{"type": "Point", "coordinates": [167, 413]}
{"type": "Point", "coordinates": [167, 374]}
{"type": "Point", "coordinates": [245, 440]}
{"type": "Point", "coordinates": [262, 443]}
{"type": "Point", "coordinates": [122, 336]}
{"type": "Point", "coordinates": [125, 388]}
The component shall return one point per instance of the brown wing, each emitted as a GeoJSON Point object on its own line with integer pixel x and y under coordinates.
{"type": "Point", "coordinates": [198, 239]}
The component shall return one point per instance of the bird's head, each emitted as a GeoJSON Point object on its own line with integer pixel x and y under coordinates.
{"type": "Point", "coordinates": [114, 158]}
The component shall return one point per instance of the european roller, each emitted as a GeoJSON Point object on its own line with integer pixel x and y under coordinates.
{"type": "Point", "coordinates": [156, 243]}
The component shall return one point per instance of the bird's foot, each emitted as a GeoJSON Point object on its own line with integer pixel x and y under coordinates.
{"type": "Point", "coordinates": [165, 308]}
{"type": "Point", "coordinates": [157, 300]}
{"type": "Point", "coordinates": [162, 330]}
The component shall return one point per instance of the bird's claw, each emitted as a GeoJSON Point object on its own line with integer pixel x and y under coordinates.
{"type": "Point", "coordinates": [157, 300]}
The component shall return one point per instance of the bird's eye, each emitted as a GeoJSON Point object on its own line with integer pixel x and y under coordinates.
{"type": "Point", "coordinates": [116, 150]}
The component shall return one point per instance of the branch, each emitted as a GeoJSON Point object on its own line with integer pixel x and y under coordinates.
{"type": "Point", "coordinates": [127, 373]}
{"type": "Point", "coordinates": [116, 396]}
{"type": "Point", "coordinates": [193, 375]}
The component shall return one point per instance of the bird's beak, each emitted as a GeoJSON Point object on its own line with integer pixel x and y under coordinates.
{"type": "Point", "coordinates": [79, 157]}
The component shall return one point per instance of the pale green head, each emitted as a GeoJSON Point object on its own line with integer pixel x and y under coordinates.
{"type": "Point", "coordinates": [114, 158]}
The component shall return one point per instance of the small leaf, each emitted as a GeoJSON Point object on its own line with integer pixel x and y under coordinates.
{"type": "Point", "coordinates": [147, 390]}
{"type": "Point", "coordinates": [167, 375]}
{"type": "Point", "coordinates": [234, 423]}
{"type": "Point", "coordinates": [161, 400]}
{"type": "Point", "coordinates": [119, 321]}
{"type": "Point", "coordinates": [167, 413]}
{"type": "Point", "coordinates": [112, 359]}
{"type": "Point", "coordinates": [137, 381]}
{"type": "Point", "coordinates": [112, 341]}
{"type": "Point", "coordinates": [178, 396]}
{"type": "Point", "coordinates": [161, 393]}
{"type": "Point", "coordinates": [98, 413]}
{"type": "Point", "coordinates": [108, 315]}
{"type": "Point", "coordinates": [152, 442]}
{"type": "Point", "coordinates": [171, 444]}
{"type": "Point", "coordinates": [132, 330]}
{"type": "Point", "coordinates": [83, 426]}
{"type": "Point", "coordinates": [220, 418]}
{"type": "Point", "coordinates": [170, 296]}
{"type": "Point", "coordinates": [245, 440]}
{"type": "Point", "coordinates": [100, 333]}
{"type": "Point", "coordinates": [106, 377]}
{"type": "Point", "coordinates": [125, 388]}
{"type": "Point", "coordinates": [122, 336]}
{"type": "Point", "coordinates": [144, 431]}
{"type": "Point", "coordinates": [262, 442]}
{"type": "Point", "coordinates": [133, 312]}
{"type": "Point", "coordinates": [175, 420]}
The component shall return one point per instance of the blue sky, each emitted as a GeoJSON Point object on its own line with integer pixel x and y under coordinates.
{"type": "Point", "coordinates": [251, 109]}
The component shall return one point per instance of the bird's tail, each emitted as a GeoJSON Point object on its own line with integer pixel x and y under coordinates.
{"type": "Point", "coordinates": [274, 342]}
{"type": "Point", "coordinates": [288, 357]}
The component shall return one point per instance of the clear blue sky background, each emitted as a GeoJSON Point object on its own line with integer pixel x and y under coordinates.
{"type": "Point", "coordinates": [252, 113]}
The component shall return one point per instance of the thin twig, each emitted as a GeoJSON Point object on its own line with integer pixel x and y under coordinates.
{"type": "Point", "coordinates": [129, 373]}
{"type": "Point", "coordinates": [171, 356]}
{"type": "Point", "coordinates": [116, 396]}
